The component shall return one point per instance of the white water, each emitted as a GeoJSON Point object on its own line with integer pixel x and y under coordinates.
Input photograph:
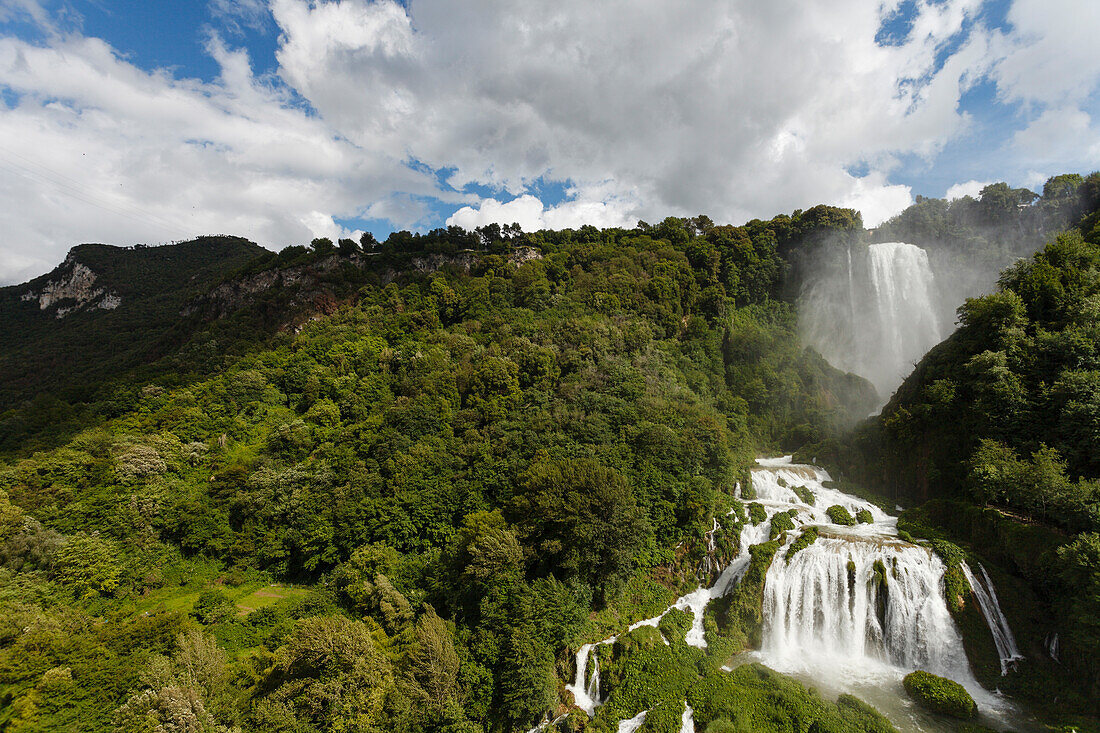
{"type": "Point", "coordinates": [874, 315]}
{"type": "Point", "coordinates": [1003, 638]}
{"type": "Point", "coordinates": [836, 628]}
{"type": "Point", "coordinates": [831, 625]}
{"type": "Point", "coordinates": [633, 724]}
{"type": "Point", "coordinates": [687, 720]}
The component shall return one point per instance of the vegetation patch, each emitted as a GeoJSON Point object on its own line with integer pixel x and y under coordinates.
{"type": "Point", "coordinates": [782, 522]}
{"type": "Point", "coordinates": [804, 494]}
{"type": "Point", "coordinates": [940, 695]}
{"type": "Point", "coordinates": [757, 513]}
{"type": "Point", "coordinates": [740, 613]}
{"type": "Point", "coordinates": [839, 515]}
{"type": "Point", "coordinates": [804, 540]}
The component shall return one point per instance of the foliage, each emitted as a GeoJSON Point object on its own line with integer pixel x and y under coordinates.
{"type": "Point", "coordinates": [940, 695]}
{"type": "Point", "coordinates": [839, 515]}
{"type": "Point", "coordinates": [473, 450]}
{"type": "Point", "coordinates": [806, 538]}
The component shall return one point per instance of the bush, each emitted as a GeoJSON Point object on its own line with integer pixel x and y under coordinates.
{"type": "Point", "coordinates": [940, 695]}
{"type": "Point", "coordinates": [781, 522]}
{"type": "Point", "coordinates": [840, 515]}
{"type": "Point", "coordinates": [213, 606]}
{"type": "Point", "coordinates": [863, 516]}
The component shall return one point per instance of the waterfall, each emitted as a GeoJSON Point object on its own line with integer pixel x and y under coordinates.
{"type": "Point", "coordinates": [859, 606]}
{"type": "Point", "coordinates": [847, 601]}
{"type": "Point", "coordinates": [991, 610]}
{"type": "Point", "coordinates": [586, 690]}
{"type": "Point", "coordinates": [875, 314]}
{"type": "Point", "coordinates": [903, 285]}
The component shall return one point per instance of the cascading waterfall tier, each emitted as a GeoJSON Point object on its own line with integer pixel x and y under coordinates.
{"type": "Point", "coordinates": [858, 604]}
{"type": "Point", "coordinates": [871, 310]}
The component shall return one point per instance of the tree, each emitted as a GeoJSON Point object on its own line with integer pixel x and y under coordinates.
{"type": "Point", "coordinates": [581, 519]}
{"type": "Point", "coordinates": [331, 675]}
{"type": "Point", "coordinates": [432, 662]}
{"type": "Point", "coordinates": [88, 565]}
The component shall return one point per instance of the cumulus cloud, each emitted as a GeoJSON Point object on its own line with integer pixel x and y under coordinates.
{"type": "Point", "coordinates": [108, 152]}
{"type": "Point", "coordinates": [644, 108]}
{"type": "Point", "coordinates": [970, 188]}
{"type": "Point", "coordinates": [734, 109]}
{"type": "Point", "coordinates": [530, 213]}
{"type": "Point", "coordinates": [1049, 56]}
{"type": "Point", "coordinates": [1060, 138]}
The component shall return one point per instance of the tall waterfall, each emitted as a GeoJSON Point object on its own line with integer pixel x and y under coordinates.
{"type": "Point", "coordinates": [871, 310]}
{"type": "Point", "coordinates": [855, 610]}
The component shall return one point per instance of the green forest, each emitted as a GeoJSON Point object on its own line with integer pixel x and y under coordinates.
{"type": "Point", "coordinates": [393, 486]}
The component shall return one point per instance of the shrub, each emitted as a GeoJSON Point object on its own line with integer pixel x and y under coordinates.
{"type": "Point", "coordinates": [840, 515]}
{"type": "Point", "coordinates": [213, 606]}
{"type": "Point", "coordinates": [940, 695]}
{"type": "Point", "coordinates": [863, 516]}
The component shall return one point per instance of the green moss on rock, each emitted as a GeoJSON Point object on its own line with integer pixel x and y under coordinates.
{"type": "Point", "coordinates": [782, 522]}
{"type": "Point", "coordinates": [940, 695]}
{"type": "Point", "coordinates": [863, 516]}
{"type": "Point", "coordinates": [840, 515]}
{"type": "Point", "coordinates": [804, 494]}
{"type": "Point", "coordinates": [757, 514]}
{"type": "Point", "coordinates": [804, 540]}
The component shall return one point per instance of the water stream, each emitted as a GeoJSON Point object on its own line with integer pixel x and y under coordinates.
{"type": "Point", "coordinates": [1003, 638]}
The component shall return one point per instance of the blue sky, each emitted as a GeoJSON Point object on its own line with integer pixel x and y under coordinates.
{"type": "Point", "coordinates": [281, 120]}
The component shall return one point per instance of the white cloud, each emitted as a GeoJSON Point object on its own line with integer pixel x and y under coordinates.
{"type": "Point", "coordinates": [647, 108]}
{"type": "Point", "coordinates": [98, 150]}
{"type": "Point", "coordinates": [877, 199]}
{"type": "Point", "coordinates": [970, 188]}
{"type": "Point", "coordinates": [530, 213]}
{"type": "Point", "coordinates": [1061, 139]}
{"type": "Point", "coordinates": [733, 109]}
{"type": "Point", "coordinates": [1049, 56]}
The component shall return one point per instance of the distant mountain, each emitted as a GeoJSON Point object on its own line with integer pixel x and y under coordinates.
{"type": "Point", "coordinates": [103, 310]}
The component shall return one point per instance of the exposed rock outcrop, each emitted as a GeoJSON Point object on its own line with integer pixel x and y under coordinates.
{"type": "Point", "coordinates": [73, 291]}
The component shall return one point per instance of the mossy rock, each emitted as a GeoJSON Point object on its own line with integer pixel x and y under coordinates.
{"type": "Point", "coordinates": [781, 522]}
{"type": "Point", "coordinates": [757, 514]}
{"type": "Point", "coordinates": [840, 515]}
{"type": "Point", "coordinates": [675, 624]}
{"type": "Point", "coordinates": [804, 540]}
{"type": "Point", "coordinates": [940, 695]}
{"type": "Point", "coordinates": [864, 516]}
{"type": "Point", "coordinates": [804, 494]}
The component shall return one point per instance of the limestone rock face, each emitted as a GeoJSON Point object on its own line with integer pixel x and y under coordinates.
{"type": "Point", "coordinates": [74, 290]}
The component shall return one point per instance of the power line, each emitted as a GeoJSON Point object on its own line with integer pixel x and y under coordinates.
{"type": "Point", "coordinates": [82, 192]}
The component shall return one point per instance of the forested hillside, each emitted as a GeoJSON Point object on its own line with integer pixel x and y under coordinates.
{"type": "Point", "coordinates": [104, 310]}
{"type": "Point", "coordinates": [480, 457]}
